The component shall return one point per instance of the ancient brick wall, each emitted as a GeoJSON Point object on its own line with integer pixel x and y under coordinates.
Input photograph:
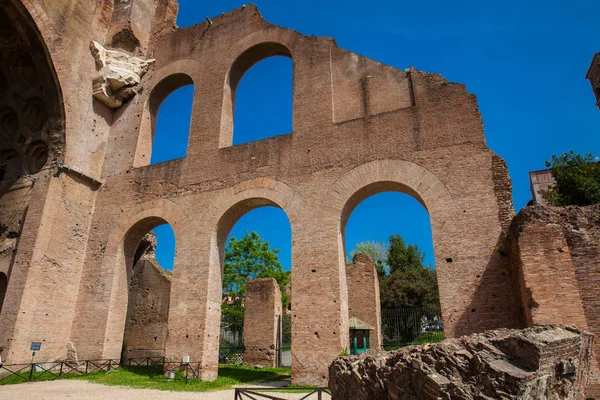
{"type": "Point", "coordinates": [147, 312]}
{"type": "Point", "coordinates": [262, 322]}
{"type": "Point", "coordinates": [359, 128]}
{"type": "Point", "coordinates": [363, 295]}
{"type": "Point", "coordinates": [556, 268]}
{"type": "Point", "coordinates": [431, 147]}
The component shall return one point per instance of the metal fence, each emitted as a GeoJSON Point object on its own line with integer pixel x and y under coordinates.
{"type": "Point", "coordinates": [15, 373]}
{"type": "Point", "coordinates": [403, 327]}
{"type": "Point", "coordinates": [156, 366]}
{"type": "Point", "coordinates": [266, 393]}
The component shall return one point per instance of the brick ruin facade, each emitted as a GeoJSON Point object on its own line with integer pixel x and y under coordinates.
{"type": "Point", "coordinates": [363, 295]}
{"type": "Point", "coordinates": [359, 127]}
{"type": "Point", "coordinates": [262, 322]}
{"type": "Point", "coordinates": [555, 254]}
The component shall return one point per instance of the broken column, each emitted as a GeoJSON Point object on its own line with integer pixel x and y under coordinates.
{"type": "Point", "coordinates": [262, 322]}
{"type": "Point", "coordinates": [363, 295]}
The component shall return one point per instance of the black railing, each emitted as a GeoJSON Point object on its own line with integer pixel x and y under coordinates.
{"type": "Point", "coordinates": [403, 327]}
{"type": "Point", "coordinates": [16, 373]}
{"type": "Point", "coordinates": [53, 370]}
{"type": "Point", "coordinates": [233, 355]}
{"type": "Point", "coordinates": [259, 393]}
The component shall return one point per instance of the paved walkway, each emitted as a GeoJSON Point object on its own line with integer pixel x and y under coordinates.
{"type": "Point", "coordinates": [71, 389]}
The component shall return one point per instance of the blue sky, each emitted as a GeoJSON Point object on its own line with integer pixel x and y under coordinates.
{"type": "Point", "coordinates": [525, 60]}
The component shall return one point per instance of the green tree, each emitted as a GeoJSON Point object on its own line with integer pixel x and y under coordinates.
{"type": "Point", "coordinates": [402, 258]}
{"type": "Point", "coordinates": [376, 251]}
{"type": "Point", "coordinates": [245, 259]}
{"type": "Point", "coordinates": [577, 180]}
{"type": "Point", "coordinates": [415, 287]}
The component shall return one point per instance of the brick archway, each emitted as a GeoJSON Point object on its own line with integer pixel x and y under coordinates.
{"type": "Point", "coordinates": [115, 270]}
{"type": "Point", "coordinates": [219, 217]}
{"type": "Point", "coordinates": [385, 176]}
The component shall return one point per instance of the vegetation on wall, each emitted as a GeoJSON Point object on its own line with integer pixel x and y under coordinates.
{"type": "Point", "coordinates": [577, 180]}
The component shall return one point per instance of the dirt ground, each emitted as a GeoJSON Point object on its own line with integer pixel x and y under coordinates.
{"type": "Point", "coordinates": [68, 389]}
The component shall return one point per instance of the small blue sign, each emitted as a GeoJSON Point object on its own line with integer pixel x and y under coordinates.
{"type": "Point", "coordinates": [35, 346]}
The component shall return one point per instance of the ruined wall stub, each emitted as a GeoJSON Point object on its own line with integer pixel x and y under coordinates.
{"type": "Point", "coordinates": [363, 295]}
{"type": "Point", "coordinates": [555, 253]}
{"type": "Point", "coordinates": [359, 127]}
{"type": "Point", "coordinates": [147, 311]}
{"type": "Point", "coordinates": [262, 322]}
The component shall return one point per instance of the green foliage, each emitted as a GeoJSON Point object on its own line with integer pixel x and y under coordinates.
{"type": "Point", "coordinates": [286, 331]}
{"type": "Point", "coordinates": [344, 352]}
{"type": "Point", "coordinates": [403, 258]}
{"type": "Point", "coordinates": [577, 180]}
{"type": "Point", "coordinates": [416, 287]}
{"type": "Point", "coordinates": [245, 259]}
{"type": "Point", "coordinates": [376, 251]}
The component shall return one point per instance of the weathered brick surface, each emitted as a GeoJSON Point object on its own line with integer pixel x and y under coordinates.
{"type": "Point", "coordinates": [359, 128]}
{"type": "Point", "coordinates": [262, 322]}
{"type": "Point", "coordinates": [363, 295]}
{"type": "Point", "coordinates": [147, 312]}
{"type": "Point", "coordinates": [556, 267]}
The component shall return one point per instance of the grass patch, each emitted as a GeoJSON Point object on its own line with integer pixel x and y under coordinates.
{"type": "Point", "coordinates": [153, 378]}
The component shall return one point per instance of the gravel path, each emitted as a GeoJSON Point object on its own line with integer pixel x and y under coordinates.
{"type": "Point", "coordinates": [71, 389]}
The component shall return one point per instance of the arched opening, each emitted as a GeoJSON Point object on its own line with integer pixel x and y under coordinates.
{"type": "Point", "coordinates": [165, 126]}
{"type": "Point", "coordinates": [3, 286]}
{"type": "Point", "coordinates": [254, 246]}
{"type": "Point", "coordinates": [257, 101]}
{"type": "Point", "coordinates": [32, 118]}
{"type": "Point", "coordinates": [389, 223]}
{"type": "Point", "coordinates": [148, 289]}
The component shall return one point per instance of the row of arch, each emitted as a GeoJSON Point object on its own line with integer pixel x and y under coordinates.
{"type": "Point", "coordinates": [260, 108]}
{"type": "Point", "coordinates": [227, 209]}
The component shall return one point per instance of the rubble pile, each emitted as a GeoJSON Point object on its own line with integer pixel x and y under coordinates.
{"type": "Point", "coordinates": [543, 362]}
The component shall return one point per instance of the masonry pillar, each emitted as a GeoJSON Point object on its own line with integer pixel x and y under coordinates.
{"type": "Point", "coordinates": [545, 277]}
{"type": "Point", "coordinates": [363, 295]}
{"type": "Point", "coordinates": [262, 322]}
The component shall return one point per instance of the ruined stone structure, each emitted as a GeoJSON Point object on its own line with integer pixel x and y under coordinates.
{"type": "Point", "coordinates": [363, 295]}
{"type": "Point", "coordinates": [539, 181]}
{"type": "Point", "coordinates": [593, 75]}
{"type": "Point", "coordinates": [556, 267]}
{"type": "Point", "coordinates": [73, 224]}
{"type": "Point", "coordinates": [147, 306]}
{"type": "Point", "coordinates": [541, 363]}
{"type": "Point", "coordinates": [262, 322]}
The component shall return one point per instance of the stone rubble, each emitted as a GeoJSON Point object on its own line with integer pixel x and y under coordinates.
{"type": "Point", "coordinates": [543, 362]}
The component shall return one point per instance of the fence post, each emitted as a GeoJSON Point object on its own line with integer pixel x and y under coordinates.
{"type": "Point", "coordinates": [147, 362]}
{"type": "Point", "coordinates": [109, 361]}
{"type": "Point", "coordinates": [86, 366]}
{"type": "Point", "coordinates": [187, 369]}
{"type": "Point", "coordinates": [61, 368]}
{"type": "Point", "coordinates": [31, 372]}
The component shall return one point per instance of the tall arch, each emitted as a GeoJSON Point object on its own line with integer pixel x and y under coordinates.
{"type": "Point", "coordinates": [159, 93]}
{"type": "Point", "coordinates": [387, 176]}
{"type": "Point", "coordinates": [218, 218]}
{"type": "Point", "coordinates": [105, 322]}
{"type": "Point", "coordinates": [32, 116]}
{"type": "Point", "coordinates": [237, 70]}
